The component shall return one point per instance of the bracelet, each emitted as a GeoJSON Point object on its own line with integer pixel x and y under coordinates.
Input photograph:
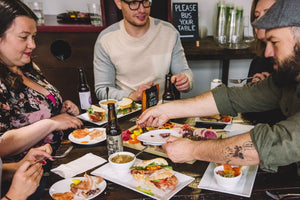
{"type": "Point", "coordinates": [7, 197]}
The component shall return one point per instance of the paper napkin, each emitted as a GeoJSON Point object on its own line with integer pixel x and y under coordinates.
{"type": "Point", "coordinates": [79, 165]}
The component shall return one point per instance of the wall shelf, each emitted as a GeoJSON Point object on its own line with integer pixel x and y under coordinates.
{"type": "Point", "coordinates": [51, 25]}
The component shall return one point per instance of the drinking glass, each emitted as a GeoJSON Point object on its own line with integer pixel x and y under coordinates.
{"type": "Point", "coordinates": [37, 8]}
{"type": "Point", "coordinates": [95, 14]}
{"type": "Point", "coordinates": [248, 31]}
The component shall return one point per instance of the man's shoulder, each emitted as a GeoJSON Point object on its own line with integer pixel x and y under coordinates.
{"type": "Point", "coordinates": [112, 28]}
{"type": "Point", "coordinates": [165, 24]}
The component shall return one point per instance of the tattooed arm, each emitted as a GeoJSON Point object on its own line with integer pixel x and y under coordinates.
{"type": "Point", "coordinates": [237, 150]}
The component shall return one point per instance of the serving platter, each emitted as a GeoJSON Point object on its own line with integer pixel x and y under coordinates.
{"type": "Point", "coordinates": [64, 186]}
{"type": "Point", "coordinates": [125, 179]}
{"type": "Point", "coordinates": [85, 117]}
{"type": "Point", "coordinates": [156, 148]}
{"type": "Point", "coordinates": [87, 139]}
{"type": "Point", "coordinates": [219, 122]}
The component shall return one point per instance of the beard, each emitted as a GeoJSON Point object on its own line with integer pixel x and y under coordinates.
{"type": "Point", "coordinates": [288, 70]}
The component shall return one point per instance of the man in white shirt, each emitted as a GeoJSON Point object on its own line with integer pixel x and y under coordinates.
{"type": "Point", "coordinates": [134, 54]}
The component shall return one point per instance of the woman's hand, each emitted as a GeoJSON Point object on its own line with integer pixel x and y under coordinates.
{"type": "Point", "coordinates": [25, 181]}
{"type": "Point", "coordinates": [65, 121]}
{"type": "Point", "coordinates": [36, 154]}
{"type": "Point", "coordinates": [69, 107]}
{"type": "Point", "coordinates": [260, 76]}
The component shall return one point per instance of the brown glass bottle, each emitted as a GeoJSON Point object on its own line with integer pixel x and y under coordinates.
{"type": "Point", "coordinates": [113, 131]}
{"type": "Point", "coordinates": [84, 91]}
{"type": "Point", "coordinates": [168, 93]}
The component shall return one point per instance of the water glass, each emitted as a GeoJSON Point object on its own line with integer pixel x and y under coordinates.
{"type": "Point", "coordinates": [37, 8]}
{"type": "Point", "coordinates": [220, 32]}
{"type": "Point", "coordinates": [235, 28]}
{"type": "Point", "coordinates": [248, 30]}
{"type": "Point", "coordinates": [95, 14]}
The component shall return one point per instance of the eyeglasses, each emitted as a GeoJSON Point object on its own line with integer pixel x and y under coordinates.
{"type": "Point", "coordinates": [135, 5]}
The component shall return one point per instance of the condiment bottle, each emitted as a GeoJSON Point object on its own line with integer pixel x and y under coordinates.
{"type": "Point", "coordinates": [113, 131]}
{"type": "Point", "coordinates": [84, 91]}
{"type": "Point", "coordinates": [168, 93]}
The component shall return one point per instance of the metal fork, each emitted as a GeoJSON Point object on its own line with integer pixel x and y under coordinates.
{"type": "Point", "coordinates": [64, 154]}
{"type": "Point", "coordinates": [238, 81]}
{"type": "Point", "coordinates": [281, 196]}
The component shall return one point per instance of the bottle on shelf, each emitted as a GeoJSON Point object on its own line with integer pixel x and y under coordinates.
{"type": "Point", "coordinates": [84, 91]}
{"type": "Point", "coordinates": [113, 131]}
{"type": "Point", "coordinates": [168, 93]}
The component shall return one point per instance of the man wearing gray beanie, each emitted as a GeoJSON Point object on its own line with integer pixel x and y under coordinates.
{"type": "Point", "coordinates": [268, 146]}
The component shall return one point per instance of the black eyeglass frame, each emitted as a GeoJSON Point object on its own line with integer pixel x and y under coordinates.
{"type": "Point", "coordinates": [140, 2]}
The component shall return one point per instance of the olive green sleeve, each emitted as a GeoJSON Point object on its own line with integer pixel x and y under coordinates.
{"type": "Point", "coordinates": [252, 97]}
{"type": "Point", "coordinates": [277, 145]}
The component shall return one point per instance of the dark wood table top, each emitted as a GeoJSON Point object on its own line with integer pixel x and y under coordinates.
{"type": "Point", "coordinates": [285, 181]}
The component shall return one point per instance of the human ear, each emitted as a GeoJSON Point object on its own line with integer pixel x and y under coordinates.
{"type": "Point", "coordinates": [118, 4]}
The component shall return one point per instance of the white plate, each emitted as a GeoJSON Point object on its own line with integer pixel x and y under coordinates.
{"type": "Point", "coordinates": [88, 139]}
{"type": "Point", "coordinates": [64, 186]}
{"type": "Point", "coordinates": [244, 187]}
{"type": "Point", "coordinates": [126, 180]}
{"type": "Point", "coordinates": [154, 137]}
{"type": "Point", "coordinates": [197, 119]}
{"type": "Point", "coordinates": [85, 117]}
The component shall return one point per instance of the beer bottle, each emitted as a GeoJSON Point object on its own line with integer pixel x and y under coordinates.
{"type": "Point", "coordinates": [168, 93]}
{"type": "Point", "coordinates": [113, 131]}
{"type": "Point", "coordinates": [84, 91]}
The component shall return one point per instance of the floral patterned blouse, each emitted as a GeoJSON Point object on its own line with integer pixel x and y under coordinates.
{"type": "Point", "coordinates": [27, 107]}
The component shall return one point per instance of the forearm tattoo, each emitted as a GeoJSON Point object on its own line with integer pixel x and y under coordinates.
{"type": "Point", "coordinates": [237, 151]}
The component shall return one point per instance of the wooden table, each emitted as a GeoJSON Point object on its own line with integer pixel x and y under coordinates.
{"type": "Point", "coordinates": [286, 180]}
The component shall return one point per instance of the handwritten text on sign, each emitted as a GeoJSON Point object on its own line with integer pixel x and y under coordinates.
{"type": "Point", "coordinates": [186, 19]}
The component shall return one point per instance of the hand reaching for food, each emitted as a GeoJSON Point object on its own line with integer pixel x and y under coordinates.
{"type": "Point", "coordinates": [153, 117]}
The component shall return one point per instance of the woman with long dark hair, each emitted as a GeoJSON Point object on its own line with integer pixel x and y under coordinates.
{"type": "Point", "coordinates": [32, 111]}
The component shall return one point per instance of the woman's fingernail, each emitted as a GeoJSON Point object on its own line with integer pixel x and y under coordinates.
{"type": "Point", "coordinates": [43, 162]}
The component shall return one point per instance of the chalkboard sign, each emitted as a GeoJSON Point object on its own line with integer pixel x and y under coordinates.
{"type": "Point", "coordinates": [185, 19]}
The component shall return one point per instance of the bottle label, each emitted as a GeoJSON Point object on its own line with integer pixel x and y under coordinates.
{"type": "Point", "coordinates": [85, 100]}
{"type": "Point", "coordinates": [114, 144]}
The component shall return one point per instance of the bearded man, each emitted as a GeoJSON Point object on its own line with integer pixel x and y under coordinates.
{"type": "Point", "coordinates": [268, 146]}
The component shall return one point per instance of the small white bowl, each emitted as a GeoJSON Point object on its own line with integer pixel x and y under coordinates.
{"type": "Point", "coordinates": [103, 103]}
{"type": "Point", "coordinates": [226, 182]}
{"type": "Point", "coordinates": [121, 167]}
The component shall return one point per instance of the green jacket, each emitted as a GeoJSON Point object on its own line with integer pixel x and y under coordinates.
{"type": "Point", "coordinates": [277, 145]}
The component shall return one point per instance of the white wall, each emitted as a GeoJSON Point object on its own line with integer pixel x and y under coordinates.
{"type": "Point", "coordinates": [204, 70]}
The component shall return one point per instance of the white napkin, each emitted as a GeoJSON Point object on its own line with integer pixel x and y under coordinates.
{"type": "Point", "coordinates": [80, 165]}
{"type": "Point", "coordinates": [236, 129]}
